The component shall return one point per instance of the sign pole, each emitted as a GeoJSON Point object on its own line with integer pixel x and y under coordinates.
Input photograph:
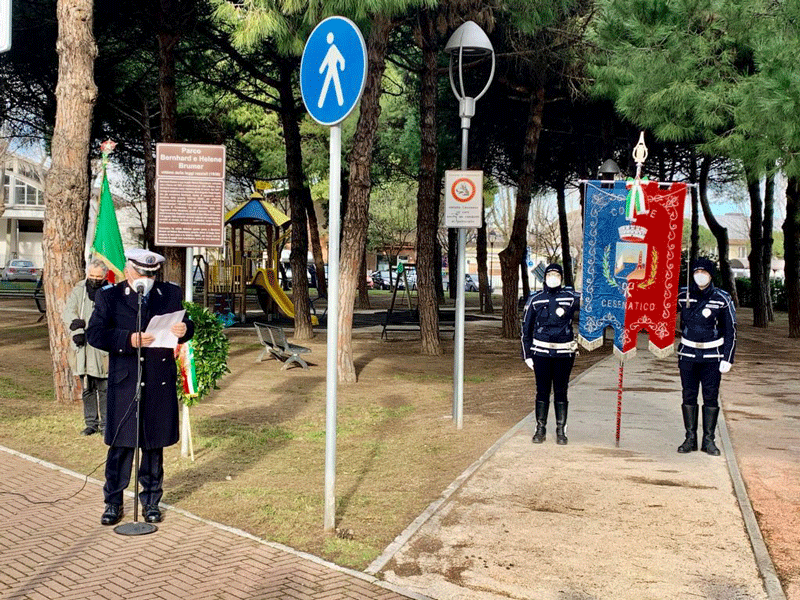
{"type": "Point", "coordinates": [332, 376]}
{"type": "Point", "coordinates": [458, 362]}
{"type": "Point", "coordinates": [333, 72]}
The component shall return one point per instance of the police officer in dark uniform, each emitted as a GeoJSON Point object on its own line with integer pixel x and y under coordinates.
{"type": "Point", "coordinates": [549, 346]}
{"type": "Point", "coordinates": [112, 327]}
{"type": "Point", "coordinates": [708, 330]}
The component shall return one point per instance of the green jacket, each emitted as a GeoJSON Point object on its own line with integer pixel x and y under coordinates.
{"type": "Point", "coordinates": [86, 360]}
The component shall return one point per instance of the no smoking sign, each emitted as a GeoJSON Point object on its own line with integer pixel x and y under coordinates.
{"type": "Point", "coordinates": [463, 205]}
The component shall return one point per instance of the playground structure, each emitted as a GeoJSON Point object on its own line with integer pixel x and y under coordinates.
{"type": "Point", "coordinates": [228, 280]}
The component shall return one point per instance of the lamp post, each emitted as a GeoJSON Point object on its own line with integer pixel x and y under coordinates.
{"type": "Point", "coordinates": [468, 41]}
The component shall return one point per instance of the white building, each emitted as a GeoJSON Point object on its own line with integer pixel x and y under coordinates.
{"type": "Point", "coordinates": [23, 217]}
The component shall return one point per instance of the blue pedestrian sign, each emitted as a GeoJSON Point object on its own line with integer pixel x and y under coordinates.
{"type": "Point", "coordinates": [333, 70]}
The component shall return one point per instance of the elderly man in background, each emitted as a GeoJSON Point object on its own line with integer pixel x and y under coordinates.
{"type": "Point", "coordinates": [86, 361]}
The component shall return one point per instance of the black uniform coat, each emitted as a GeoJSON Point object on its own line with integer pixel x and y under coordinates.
{"type": "Point", "coordinates": [548, 318]}
{"type": "Point", "coordinates": [707, 315]}
{"type": "Point", "coordinates": [110, 328]}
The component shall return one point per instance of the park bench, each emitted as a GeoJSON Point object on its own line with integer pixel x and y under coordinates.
{"type": "Point", "coordinates": [275, 343]}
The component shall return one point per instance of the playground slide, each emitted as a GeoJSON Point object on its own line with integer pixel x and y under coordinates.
{"type": "Point", "coordinates": [267, 279]}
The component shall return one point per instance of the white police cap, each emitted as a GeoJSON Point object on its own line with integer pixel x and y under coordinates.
{"type": "Point", "coordinates": [144, 260]}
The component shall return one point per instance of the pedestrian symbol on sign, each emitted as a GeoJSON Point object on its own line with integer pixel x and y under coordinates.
{"type": "Point", "coordinates": [333, 70]}
{"type": "Point", "coordinates": [333, 59]}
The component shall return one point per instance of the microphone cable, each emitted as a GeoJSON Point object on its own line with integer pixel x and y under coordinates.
{"type": "Point", "coordinates": [86, 478]}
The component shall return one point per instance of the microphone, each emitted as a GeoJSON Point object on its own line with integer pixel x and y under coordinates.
{"type": "Point", "coordinates": [139, 287]}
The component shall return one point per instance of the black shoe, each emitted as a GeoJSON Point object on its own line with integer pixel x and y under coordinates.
{"type": "Point", "coordinates": [152, 514]}
{"type": "Point", "coordinates": [690, 412]}
{"type": "Point", "coordinates": [710, 415]}
{"type": "Point", "coordinates": [112, 515]}
{"type": "Point", "coordinates": [89, 431]}
{"type": "Point", "coordinates": [561, 423]}
{"type": "Point", "coordinates": [542, 408]}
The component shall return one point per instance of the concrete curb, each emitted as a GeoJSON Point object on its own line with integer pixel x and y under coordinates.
{"type": "Point", "coordinates": [392, 549]}
{"type": "Point", "coordinates": [766, 568]}
{"type": "Point", "coordinates": [238, 532]}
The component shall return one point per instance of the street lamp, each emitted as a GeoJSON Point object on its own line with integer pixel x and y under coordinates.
{"type": "Point", "coordinates": [608, 171]}
{"type": "Point", "coordinates": [468, 41]}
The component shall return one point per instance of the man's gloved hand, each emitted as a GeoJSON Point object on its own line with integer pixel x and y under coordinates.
{"type": "Point", "coordinates": [529, 362]}
{"type": "Point", "coordinates": [724, 366]}
{"type": "Point", "coordinates": [77, 324]}
{"type": "Point", "coordinates": [79, 339]}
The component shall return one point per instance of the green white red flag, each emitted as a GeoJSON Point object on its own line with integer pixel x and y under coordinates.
{"type": "Point", "coordinates": [107, 245]}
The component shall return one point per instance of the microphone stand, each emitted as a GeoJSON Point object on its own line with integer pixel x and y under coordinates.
{"type": "Point", "coordinates": [137, 528]}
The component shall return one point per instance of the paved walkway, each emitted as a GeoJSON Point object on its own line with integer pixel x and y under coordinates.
{"type": "Point", "coordinates": [590, 521]}
{"type": "Point", "coordinates": [587, 521]}
{"type": "Point", "coordinates": [60, 551]}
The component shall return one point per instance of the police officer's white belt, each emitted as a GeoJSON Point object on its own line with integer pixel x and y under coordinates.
{"type": "Point", "coordinates": [556, 345]}
{"type": "Point", "coordinates": [702, 345]}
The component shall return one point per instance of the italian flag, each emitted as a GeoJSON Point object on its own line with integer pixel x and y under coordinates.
{"type": "Point", "coordinates": [107, 245]}
{"type": "Point", "coordinates": [188, 368]}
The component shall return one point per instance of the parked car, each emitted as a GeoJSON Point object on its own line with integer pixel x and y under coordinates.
{"type": "Point", "coordinates": [20, 270]}
{"type": "Point", "coordinates": [470, 285]}
{"type": "Point", "coordinates": [380, 280]}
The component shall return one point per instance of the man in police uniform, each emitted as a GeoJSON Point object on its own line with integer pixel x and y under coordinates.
{"type": "Point", "coordinates": [113, 328]}
{"type": "Point", "coordinates": [548, 347]}
{"type": "Point", "coordinates": [708, 330]}
{"type": "Point", "coordinates": [87, 362]}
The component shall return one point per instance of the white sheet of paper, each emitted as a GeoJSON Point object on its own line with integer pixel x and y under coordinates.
{"type": "Point", "coordinates": [159, 327]}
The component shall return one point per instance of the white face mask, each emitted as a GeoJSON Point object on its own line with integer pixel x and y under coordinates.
{"type": "Point", "coordinates": [143, 283]}
{"type": "Point", "coordinates": [552, 280]}
{"type": "Point", "coordinates": [701, 278]}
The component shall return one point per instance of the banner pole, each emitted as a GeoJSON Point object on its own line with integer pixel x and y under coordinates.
{"type": "Point", "coordinates": [619, 398]}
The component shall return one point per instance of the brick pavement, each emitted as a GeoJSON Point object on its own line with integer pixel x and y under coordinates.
{"type": "Point", "coordinates": [60, 551]}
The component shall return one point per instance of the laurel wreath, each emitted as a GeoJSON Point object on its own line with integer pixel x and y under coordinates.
{"type": "Point", "coordinates": [607, 267]}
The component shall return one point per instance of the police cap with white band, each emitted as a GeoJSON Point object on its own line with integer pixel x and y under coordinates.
{"type": "Point", "coordinates": [145, 261]}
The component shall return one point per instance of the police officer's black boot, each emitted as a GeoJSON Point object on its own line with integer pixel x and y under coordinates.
{"type": "Point", "coordinates": [542, 408]}
{"type": "Point", "coordinates": [710, 415]}
{"type": "Point", "coordinates": [690, 412]}
{"type": "Point", "coordinates": [561, 423]}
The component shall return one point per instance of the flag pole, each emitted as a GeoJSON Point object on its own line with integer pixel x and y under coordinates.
{"type": "Point", "coordinates": [639, 156]}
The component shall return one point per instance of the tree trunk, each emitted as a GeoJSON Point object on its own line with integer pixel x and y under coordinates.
{"type": "Point", "coordinates": [363, 296]}
{"type": "Point", "coordinates": [175, 265]}
{"type": "Point", "coordinates": [756, 256]}
{"type": "Point", "coordinates": [483, 279]}
{"type": "Point", "coordinates": [720, 233]}
{"type": "Point", "coordinates": [524, 278]}
{"type": "Point", "coordinates": [437, 261]}
{"type": "Point", "coordinates": [428, 270]}
{"type": "Point", "coordinates": [67, 185]}
{"type": "Point", "coordinates": [791, 254]}
{"type": "Point", "coordinates": [149, 177]}
{"type": "Point", "coordinates": [354, 231]}
{"type": "Point", "coordinates": [563, 225]}
{"type": "Point", "coordinates": [316, 244]}
{"type": "Point", "coordinates": [766, 242]}
{"type": "Point", "coordinates": [694, 239]}
{"type": "Point", "coordinates": [511, 256]}
{"type": "Point", "coordinates": [298, 257]}
{"type": "Point", "coordinates": [452, 261]}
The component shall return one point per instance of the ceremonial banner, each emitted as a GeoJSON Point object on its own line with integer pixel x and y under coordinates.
{"type": "Point", "coordinates": [631, 264]}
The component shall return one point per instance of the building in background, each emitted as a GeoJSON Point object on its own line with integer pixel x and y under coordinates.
{"type": "Point", "coordinates": [22, 219]}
